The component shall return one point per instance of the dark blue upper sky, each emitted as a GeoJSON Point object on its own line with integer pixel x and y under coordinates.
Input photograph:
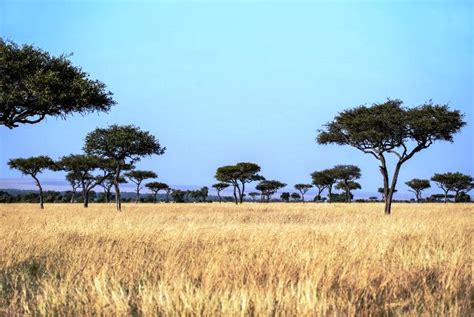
{"type": "Point", "coordinates": [219, 83]}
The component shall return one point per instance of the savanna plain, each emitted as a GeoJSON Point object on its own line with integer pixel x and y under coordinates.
{"type": "Point", "coordinates": [224, 260]}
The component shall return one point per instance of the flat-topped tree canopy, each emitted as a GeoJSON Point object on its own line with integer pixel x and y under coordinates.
{"type": "Point", "coordinates": [34, 85]}
{"type": "Point", "coordinates": [389, 127]}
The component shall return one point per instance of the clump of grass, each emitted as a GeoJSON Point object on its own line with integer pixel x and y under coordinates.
{"type": "Point", "coordinates": [221, 259]}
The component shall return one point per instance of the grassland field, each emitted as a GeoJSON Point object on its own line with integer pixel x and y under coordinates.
{"type": "Point", "coordinates": [254, 259]}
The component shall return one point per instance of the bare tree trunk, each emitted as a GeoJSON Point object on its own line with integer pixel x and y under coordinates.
{"type": "Point", "coordinates": [242, 193]}
{"type": "Point", "coordinates": [330, 193]}
{"type": "Point", "coordinates": [73, 194]}
{"type": "Point", "coordinates": [138, 194]}
{"type": "Point", "coordinates": [388, 200]}
{"type": "Point", "coordinates": [40, 189]}
{"type": "Point", "coordinates": [86, 199]}
{"type": "Point", "coordinates": [154, 197]}
{"type": "Point", "coordinates": [219, 195]}
{"type": "Point", "coordinates": [446, 196]}
{"type": "Point", "coordinates": [168, 195]}
{"type": "Point", "coordinates": [235, 195]}
{"type": "Point", "coordinates": [118, 202]}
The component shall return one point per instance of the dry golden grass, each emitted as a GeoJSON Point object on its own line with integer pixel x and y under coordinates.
{"type": "Point", "coordinates": [254, 259]}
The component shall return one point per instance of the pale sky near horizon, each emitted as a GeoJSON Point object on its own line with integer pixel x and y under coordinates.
{"type": "Point", "coordinates": [222, 82]}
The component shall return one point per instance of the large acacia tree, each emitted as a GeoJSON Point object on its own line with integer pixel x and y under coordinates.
{"type": "Point", "coordinates": [137, 177]}
{"type": "Point", "coordinates": [34, 84]}
{"type": "Point", "coordinates": [455, 182]}
{"type": "Point", "coordinates": [124, 145]}
{"type": "Point", "coordinates": [32, 166]}
{"type": "Point", "coordinates": [388, 128]}
{"type": "Point", "coordinates": [325, 179]}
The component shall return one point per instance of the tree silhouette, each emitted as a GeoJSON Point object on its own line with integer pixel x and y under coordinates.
{"type": "Point", "coordinates": [33, 166]}
{"type": "Point", "coordinates": [124, 146]}
{"type": "Point", "coordinates": [268, 188]}
{"type": "Point", "coordinates": [238, 175]}
{"type": "Point", "coordinates": [220, 187]}
{"type": "Point", "coordinates": [388, 128]}
{"type": "Point", "coordinates": [34, 84]}
{"type": "Point", "coordinates": [303, 189]}
{"type": "Point", "coordinates": [137, 177]}
{"type": "Point", "coordinates": [155, 187]}
{"type": "Point", "coordinates": [417, 186]}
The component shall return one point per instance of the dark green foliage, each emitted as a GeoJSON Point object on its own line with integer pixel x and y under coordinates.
{"type": "Point", "coordinates": [389, 128]}
{"type": "Point", "coordinates": [137, 177]}
{"type": "Point", "coordinates": [124, 146]}
{"type": "Point", "coordinates": [33, 166]}
{"type": "Point", "coordinates": [456, 182]}
{"type": "Point", "coordinates": [303, 189]}
{"type": "Point", "coordinates": [348, 187]}
{"type": "Point", "coordinates": [178, 196]}
{"type": "Point", "coordinates": [347, 174]}
{"type": "Point", "coordinates": [324, 179]}
{"type": "Point", "coordinates": [155, 187]}
{"type": "Point", "coordinates": [268, 188]}
{"type": "Point", "coordinates": [295, 196]}
{"type": "Point", "coordinates": [238, 175]}
{"type": "Point", "coordinates": [417, 186]}
{"type": "Point", "coordinates": [285, 196]}
{"type": "Point", "coordinates": [34, 84]}
{"type": "Point", "coordinates": [220, 187]}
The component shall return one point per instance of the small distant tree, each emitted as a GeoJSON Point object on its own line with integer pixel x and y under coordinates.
{"type": "Point", "coordinates": [303, 189]}
{"type": "Point", "coordinates": [137, 177]}
{"type": "Point", "coordinates": [238, 175]}
{"type": "Point", "coordinates": [321, 182]}
{"type": "Point", "coordinates": [268, 188]}
{"type": "Point", "coordinates": [389, 128]}
{"type": "Point", "coordinates": [295, 196]}
{"type": "Point", "coordinates": [220, 187]}
{"type": "Point", "coordinates": [381, 191]}
{"type": "Point", "coordinates": [85, 166]}
{"type": "Point", "coordinates": [348, 187]}
{"type": "Point", "coordinates": [456, 182]}
{"type": "Point", "coordinates": [155, 187]}
{"type": "Point", "coordinates": [124, 146]}
{"type": "Point", "coordinates": [178, 196]}
{"type": "Point", "coordinates": [285, 196]}
{"type": "Point", "coordinates": [108, 183]}
{"type": "Point", "coordinates": [417, 186]}
{"type": "Point", "coordinates": [254, 195]}
{"type": "Point", "coordinates": [33, 166]}
{"type": "Point", "coordinates": [34, 84]}
{"type": "Point", "coordinates": [74, 179]}
{"type": "Point", "coordinates": [347, 174]}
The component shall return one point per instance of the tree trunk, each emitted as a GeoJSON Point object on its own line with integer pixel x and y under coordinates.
{"type": "Point", "coordinates": [138, 194]}
{"type": "Point", "coordinates": [388, 200]}
{"type": "Point", "coordinates": [235, 195]}
{"type": "Point", "coordinates": [86, 199]}
{"type": "Point", "coordinates": [242, 193]}
{"type": "Point", "coordinates": [302, 196]}
{"type": "Point", "coordinates": [239, 192]}
{"type": "Point", "coordinates": [73, 194]}
{"type": "Point", "coordinates": [330, 193]}
{"type": "Point", "coordinates": [219, 195]}
{"type": "Point", "coordinates": [40, 190]}
{"type": "Point", "coordinates": [154, 197]}
{"type": "Point", "coordinates": [446, 196]}
{"type": "Point", "coordinates": [118, 202]}
{"type": "Point", "coordinates": [168, 196]}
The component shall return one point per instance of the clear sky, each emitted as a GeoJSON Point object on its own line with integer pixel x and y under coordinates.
{"type": "Point", "coordinates": [223, 82]}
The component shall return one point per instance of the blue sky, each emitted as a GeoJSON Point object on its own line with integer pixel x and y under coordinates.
{"type": "Point", "coordinates": [222, 82]}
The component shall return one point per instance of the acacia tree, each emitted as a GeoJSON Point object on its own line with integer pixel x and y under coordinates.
{"type": "Point", "coordinates": [34, 84]}
{"type": "Point", "coordinates": [348, 187]}
{"type": "Point", "coordinates": [33, 166]}
{"type": "Point", "coordinates": [155, 187]}
{"type": "Point", "coordinates": [389, 128]}
{"type": "Point", "coordinates": [285, 196]}
{"type": "Point", "coordinates": [238, 175]}
{"type": "Point", "coordinates": [74, 180]}
{"type": "Point", "coordinates": [268, 188]}
{"type": "Point", "coordinates": [220, 187]}
{"type": "Point", "coordinates": [303, 189]}
{"type": "Point", "coordinates": [254, 195]}
{"type": "Point", "coordinates": [321, 182]}
{"type": "Point", "coordinates": [84, 166]}
{"type": "Point", "coordinates": [295, 196]}
{"type": "Point", "coordinates": [137, 177]}
{"type": "Point", "coordinates": [124, 146]}
{"type": "Point", "coordinates": [456, 182]}
{"type": "Point", "coordinates": [417, 186]}
{"type": "Point", "coordinates": [347, 174]}
{"type": "Point", "coordinates": [108, 183]}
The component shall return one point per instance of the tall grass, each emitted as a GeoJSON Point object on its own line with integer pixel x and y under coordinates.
{"type": "Point", "coordinates": [221, 259]}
